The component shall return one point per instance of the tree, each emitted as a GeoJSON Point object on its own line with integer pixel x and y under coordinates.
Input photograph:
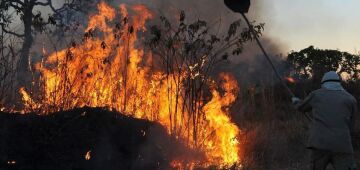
{"type": "Point", "coordinates": [32, 22]}
{"type": "Point", "coordinates": [313, 63]}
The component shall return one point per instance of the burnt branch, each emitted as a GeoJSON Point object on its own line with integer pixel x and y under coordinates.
{"type": "Point", "coordinates": [69, 5]}
{"type": "Point", "coordinates": [18, 1]}
{"type": "Point", "coordinates": [43, 3]}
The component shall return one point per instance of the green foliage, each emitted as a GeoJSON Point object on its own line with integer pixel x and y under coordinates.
{"type": "Point", "coordinates": [313, 63]}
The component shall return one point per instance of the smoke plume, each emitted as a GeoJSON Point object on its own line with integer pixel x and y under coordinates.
{"type": "Point", "coordinates": [249, 67]}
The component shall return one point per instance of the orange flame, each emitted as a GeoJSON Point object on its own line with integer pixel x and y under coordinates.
{"type": "Point", "coordinates": [225, 143]}
{"type": "Point", "coordinates": [113, 71]}
{"type": "Point", "coordinates": [88, 155]}
{"type": "Point", "coordinates": [290, 80]}
{"type": "Point", "coordinates": [43, 50]}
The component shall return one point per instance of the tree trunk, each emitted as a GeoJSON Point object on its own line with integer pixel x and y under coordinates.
{"type": "Point", "coordinates": [23, 68]}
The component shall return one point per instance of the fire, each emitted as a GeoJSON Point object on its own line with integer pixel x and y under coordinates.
{"type": "Point", "coordinates": [290, 80]}
{"type": "Point", "coordinates": [88, 155]}
{"type": "Point", "coordinates": [179, 166]}
{"type": "Point", "coordinates": [224, 145]}
{"type": "Point", "coordinates": [11, 162]}
{"type": "Point", "coordinates": [43, 50]}
{"type": "Point", "coordinates": [28, 101]}
{"type": "Point", "coordinates": [113, 71]}
{"type": "Point", "coordinates": [143, 133]}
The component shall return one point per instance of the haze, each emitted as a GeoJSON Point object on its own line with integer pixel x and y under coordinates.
{"type": "Point", "coordinates": [296, 24]}
{"type": "Point", "coordinates": [291, 24]}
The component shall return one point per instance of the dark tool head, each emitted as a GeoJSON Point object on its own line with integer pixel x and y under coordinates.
{"type": "Point", "coordinates": [241, 6]}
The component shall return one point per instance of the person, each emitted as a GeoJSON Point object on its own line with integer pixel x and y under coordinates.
{"type": "Point", "coordinates": [333, 110]}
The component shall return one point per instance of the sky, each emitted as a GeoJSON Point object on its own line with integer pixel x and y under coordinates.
{"type": "Point", "coordinates": [291, 24]}
{"type": "Point", "coordinates": [296, 24]}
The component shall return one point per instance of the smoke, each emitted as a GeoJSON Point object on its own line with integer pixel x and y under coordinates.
{"type": "Point", "coordinates": [249, 67]}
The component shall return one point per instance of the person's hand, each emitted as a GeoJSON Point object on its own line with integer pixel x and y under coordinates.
{"type": "Point", "coordinates": [295, 100]}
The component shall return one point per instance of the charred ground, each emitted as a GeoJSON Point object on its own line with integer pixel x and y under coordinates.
{"type": "Point", "coordinates": [62, 140]}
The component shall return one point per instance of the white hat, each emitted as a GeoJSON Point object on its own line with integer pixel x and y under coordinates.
{"type": "Point", "coordinates": [330, 76]}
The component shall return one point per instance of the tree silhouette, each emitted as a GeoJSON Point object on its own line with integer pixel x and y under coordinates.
{"type": "Point", "coordinates": [313, 63]}
{"type": "Point", "coordinates": [32, 21]}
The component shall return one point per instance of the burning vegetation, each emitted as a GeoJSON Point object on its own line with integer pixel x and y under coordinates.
{"type": "Point", "coordinates": [133, 89]}
{"type": "Point", "coordinates": [115, 66]}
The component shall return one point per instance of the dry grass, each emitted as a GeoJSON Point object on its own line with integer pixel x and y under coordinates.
{"type": "Point", "coordinates": [275, 135]}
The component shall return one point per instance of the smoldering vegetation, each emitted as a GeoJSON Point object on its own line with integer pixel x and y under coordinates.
{"type": "Point", "coordinates": [87, 138]}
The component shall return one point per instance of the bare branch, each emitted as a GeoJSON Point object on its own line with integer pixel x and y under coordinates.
{"type": "Point", "coordinates": [18, 1]}
{"type": "Point", "coordinates": [65, 5]}
{"type": "Point", "coordinates": [15, 6]}
{"type": "Point", "coordinates": [10, 32]}
{"type": "Point", "coordinates": [49, 2]}
{"type": "Point", "coordinates": [43, 3]}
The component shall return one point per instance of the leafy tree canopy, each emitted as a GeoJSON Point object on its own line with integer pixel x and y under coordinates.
{"type": "Point", "coordinates": [312, 63]}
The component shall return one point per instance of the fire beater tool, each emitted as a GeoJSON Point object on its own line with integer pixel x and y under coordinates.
{"type": "Point", "coordinates": [242, 7]}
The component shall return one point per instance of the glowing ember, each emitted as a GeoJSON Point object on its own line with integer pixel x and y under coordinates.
{"type": "Point", "coordinates": [290, 80]}
{"type": "Point", "coordinates": [43, 50]}
{"type": "Point", "coordinates": [88, 155]}
{"type": "Point", "coordinates": [113, 71]}
{"type": "Point", "coordinates": [143, 133]}
{"type": "Point", "coordinates": [11, 162]}
{"type": "Point", "coordinates": [179, 166]}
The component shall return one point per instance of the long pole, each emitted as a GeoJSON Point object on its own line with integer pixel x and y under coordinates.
{"type": "Point", "coordinates": [267, 56]}
{"type": "Point", "coordinates": [270, 62]}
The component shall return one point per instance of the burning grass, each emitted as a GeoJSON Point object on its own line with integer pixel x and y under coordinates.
{"type": "Point", "coordinates": [111, 68]}
{"type": "Point", "coordinates": [148, 74]}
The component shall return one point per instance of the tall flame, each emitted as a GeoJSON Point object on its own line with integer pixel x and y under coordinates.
{"type": "Point", "coordinates": [112, 70]}
{"type": "Point", "coordinates": [225, 145]}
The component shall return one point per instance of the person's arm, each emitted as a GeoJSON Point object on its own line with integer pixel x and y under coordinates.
{"type": "Point", "coordinates": [304, 105]}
